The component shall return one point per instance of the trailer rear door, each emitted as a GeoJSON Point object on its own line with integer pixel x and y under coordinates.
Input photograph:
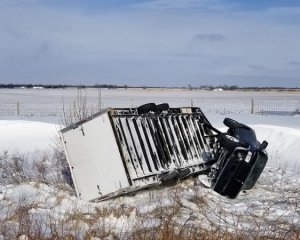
{"type": "Point", "coordinates": [93, 155]}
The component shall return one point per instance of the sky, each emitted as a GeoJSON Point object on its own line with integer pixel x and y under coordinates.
{"type": "Point", "coordinates": [169, 43]}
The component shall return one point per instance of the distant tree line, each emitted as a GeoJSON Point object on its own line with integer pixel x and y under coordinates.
{"type": "Point", "coordinates": [224, 87]}
{"type": "Point", "coordinates": [54, 86]}
{"type": "Point", "coordinates": [11, 85]}
{"type": "Point", "coordinates": [235, 87]}
{"type": "Point", "coordinates": [111, 86]}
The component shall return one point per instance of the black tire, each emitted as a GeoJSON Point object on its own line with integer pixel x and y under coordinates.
{"type": "Point", "coordinates": [234, 124]}
{"type": "Point", "coordinates": [229, 142]}
{"type": "Point", "coordinates": [170, 177]}
{"type": "Point", "coordinates": [146, 108]}
{"type": "Point", "coordinates": [162, 107]}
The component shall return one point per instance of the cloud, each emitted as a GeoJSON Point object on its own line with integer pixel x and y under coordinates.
{"type": "Point", "coordinates": [212, 5]}
{"type": "Point", "coordinates": [138, 46]}
{"type": "Point", "coordinates": [213, 37]}
{"type": "Point", "coordinates": [284, 11]}
{"type": "Point", "coordinates": [256, 67]}
{"type": "Point", "coordinates": [294, 63]}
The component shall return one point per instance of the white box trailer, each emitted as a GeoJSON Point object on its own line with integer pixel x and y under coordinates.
{"type": "Point", "coordinates": [120, 150]}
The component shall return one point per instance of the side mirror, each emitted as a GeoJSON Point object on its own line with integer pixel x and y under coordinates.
{"type": "Point", "coordinates": [263, 145]}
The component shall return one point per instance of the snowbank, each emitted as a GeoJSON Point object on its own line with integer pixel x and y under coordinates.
{"type": "Point", "coordinates": [284, 145]}
{"type": "Point", "coordinates": [26, 136]}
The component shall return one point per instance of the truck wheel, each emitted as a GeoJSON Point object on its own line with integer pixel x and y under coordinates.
{"type": "Point", "coordinates": [233, 124]}
{"type": "Point", "coordinates": [146, 108]}
{"type": "Point", "coordinates": [162, 107]}
{"type": "Point", "coordinates": [229, 142]}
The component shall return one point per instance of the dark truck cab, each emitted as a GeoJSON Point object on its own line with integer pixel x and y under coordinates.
{"type": "Point", "coordinates": [241, 159]}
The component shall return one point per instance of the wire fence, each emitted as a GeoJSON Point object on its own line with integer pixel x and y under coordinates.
{"type": "Point", "coordinates": [48, 105]}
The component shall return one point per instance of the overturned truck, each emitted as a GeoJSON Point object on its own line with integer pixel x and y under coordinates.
{"type": "Point", "coordinates": [122, 150]}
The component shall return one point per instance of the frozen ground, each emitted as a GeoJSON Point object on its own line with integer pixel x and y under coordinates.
{"type": "Point", "coordinates": [36, 201]}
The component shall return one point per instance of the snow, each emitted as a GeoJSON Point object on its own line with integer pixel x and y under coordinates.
{"type": "Point", "coordinates": [274, 198]}
{"type": "Point", "coordinates": [284, 145]}
{"type": "Point", "coordinates": [26, 136]}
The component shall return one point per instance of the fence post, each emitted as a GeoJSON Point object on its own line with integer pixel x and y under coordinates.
{"type": "Point", "coordinates": [252, 106]}
{"type": "Point", "coordinates": [18, 108]}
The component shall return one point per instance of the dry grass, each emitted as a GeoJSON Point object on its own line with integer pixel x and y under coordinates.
{"type": "Point", "coordinates": [183, 211]}
{"type": "Point", "coordinates": [162, 223]}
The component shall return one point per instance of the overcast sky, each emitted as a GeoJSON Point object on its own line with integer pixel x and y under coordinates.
{"type": "Point", "coordinates": [153, 43]}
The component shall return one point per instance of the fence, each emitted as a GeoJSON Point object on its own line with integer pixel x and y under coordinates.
{"type": "Point", "coordinates": [47, 105]}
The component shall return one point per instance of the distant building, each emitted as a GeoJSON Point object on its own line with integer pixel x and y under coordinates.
{"type": "Point", "coordinates": [218, 90]}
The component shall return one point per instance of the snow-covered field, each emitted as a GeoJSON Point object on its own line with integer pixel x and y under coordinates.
{"type": "Point", "coordinates": [38, 203]}
{"type": "Point", "coordinates": [46, 105]}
